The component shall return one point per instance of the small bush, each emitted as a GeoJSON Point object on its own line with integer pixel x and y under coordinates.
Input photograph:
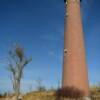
{"type": "Point", "coordinates": [69, 92]}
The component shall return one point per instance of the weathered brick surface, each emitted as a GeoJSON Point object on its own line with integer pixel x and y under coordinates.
{"type": "Point", "coordinates": [74, 67]}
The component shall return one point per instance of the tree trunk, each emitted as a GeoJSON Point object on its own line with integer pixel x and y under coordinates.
{"type": "Point", "coordinates": [17, 92]}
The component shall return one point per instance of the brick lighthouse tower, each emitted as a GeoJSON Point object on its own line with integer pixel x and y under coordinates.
{"type": "Point", "coordinates": [74, 65]}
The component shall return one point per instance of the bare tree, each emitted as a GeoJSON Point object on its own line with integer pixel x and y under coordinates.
{"type": "Point", "coordinates": [40, 86]}
{"type": "Point", "coordinates": [17, 62]}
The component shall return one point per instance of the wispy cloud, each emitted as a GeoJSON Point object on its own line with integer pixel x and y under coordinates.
{"type": "Point", "coordinates": [54, 34]}
{"type": "Point", "coordinates": [51, 53]}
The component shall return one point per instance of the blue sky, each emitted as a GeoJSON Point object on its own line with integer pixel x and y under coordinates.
{"type": "Point", "coordinates": [38, 25]}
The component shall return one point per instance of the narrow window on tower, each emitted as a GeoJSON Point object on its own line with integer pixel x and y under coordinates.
{"type": "Point", "coordinates": [65, 51]}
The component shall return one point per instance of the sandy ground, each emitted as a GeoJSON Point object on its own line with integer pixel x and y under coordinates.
{"type": "Point", "coordinates": [13, 98]}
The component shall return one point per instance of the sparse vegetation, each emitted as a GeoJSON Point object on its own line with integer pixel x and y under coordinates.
{"type": "Point", "coordinates": [40, 87]}
{"type": "Point", "coordinates": [17, 62]}
{"type": "Point", "coordinates": [95, 92]}
{"type": "Point", "coordinates": [43, 95]}
{"type": "Point", "coordinates": [69, 92]}
{"type": "Point", "coordinates": [60, 94]}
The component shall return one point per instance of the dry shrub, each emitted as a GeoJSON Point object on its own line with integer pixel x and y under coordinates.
{"type": "Point", "coordinates": [69, 92]}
